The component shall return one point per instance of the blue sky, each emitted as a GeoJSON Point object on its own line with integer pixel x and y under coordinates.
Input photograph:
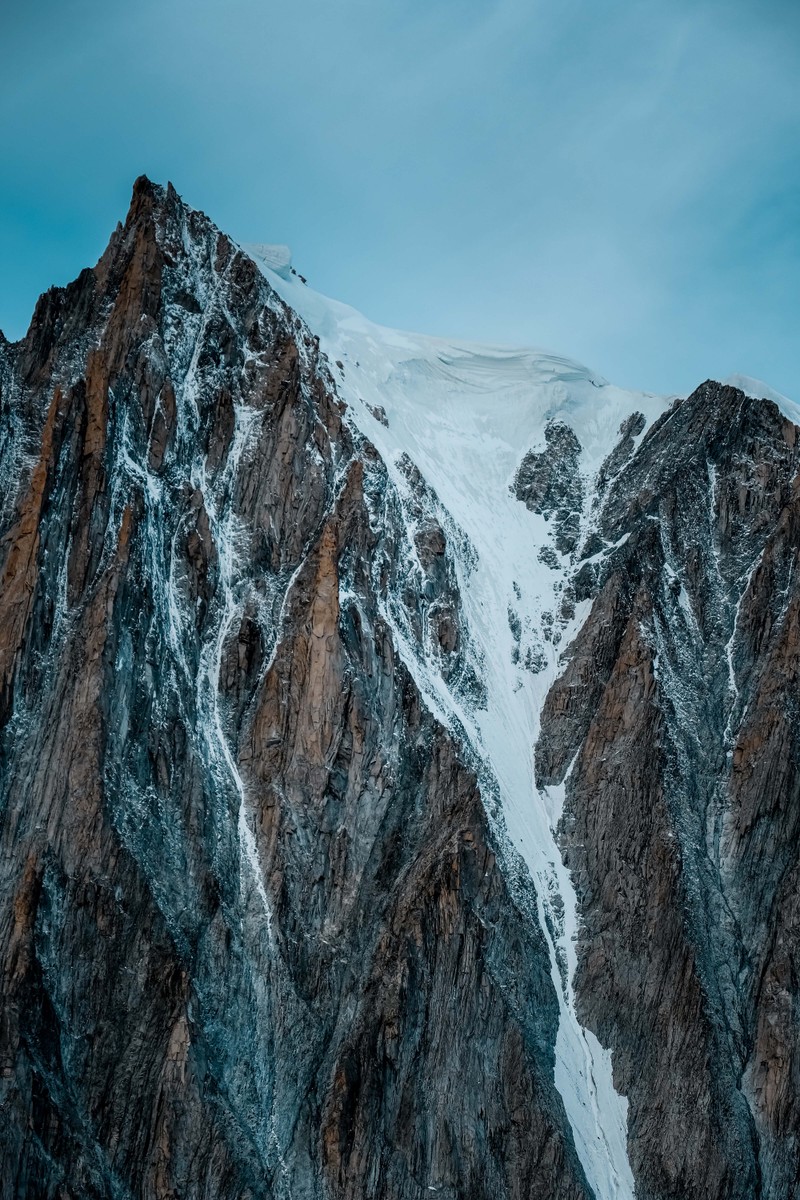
{"type": "Point", "coordinates": [619, 182]}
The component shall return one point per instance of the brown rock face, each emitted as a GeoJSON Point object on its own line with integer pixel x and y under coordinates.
{"type": "Point", "coordinates": [256, 937]}
{"type": "Point", "coordinates": [679, 698]}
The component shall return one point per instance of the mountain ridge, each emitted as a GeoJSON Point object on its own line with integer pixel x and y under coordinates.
{"type": "Point", "coordinates": [324, 646]}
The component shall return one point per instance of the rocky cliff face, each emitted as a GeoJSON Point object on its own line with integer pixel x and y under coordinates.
{"type": "Point", "coordinates": [678, 707]}
{"type": "Point", "coordinates": [256, 935]}
{"type": "Point", "coordinates": [283, 910]}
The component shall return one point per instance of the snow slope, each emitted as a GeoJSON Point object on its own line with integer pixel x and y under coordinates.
{"type": "Point", "coordinates": [466, 414]}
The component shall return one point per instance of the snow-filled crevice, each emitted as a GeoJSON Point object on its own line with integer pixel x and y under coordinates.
{"type": "Point", "coordinates": [465, 416]}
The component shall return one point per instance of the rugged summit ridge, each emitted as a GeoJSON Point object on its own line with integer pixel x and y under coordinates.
{"type": "Point", "coordinates": [318, 643]}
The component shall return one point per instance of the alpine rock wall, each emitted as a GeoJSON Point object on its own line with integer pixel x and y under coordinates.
{"type": "Point", "coordinates": [398, 756]}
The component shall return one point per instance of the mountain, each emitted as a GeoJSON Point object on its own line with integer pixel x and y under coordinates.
{"type": "Point", "coordinates": [398, 756]}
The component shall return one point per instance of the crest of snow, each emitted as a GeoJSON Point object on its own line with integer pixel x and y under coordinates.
{"type": "Point", "coordinates": [466, 414]}
{"type": "Point", "coordinates": [275, 258]}
{"type": "Point", "coordinates": [758, 390]}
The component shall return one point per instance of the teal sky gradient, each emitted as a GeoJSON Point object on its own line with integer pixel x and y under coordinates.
{"type": "Point", "coordinates": [619, 182]}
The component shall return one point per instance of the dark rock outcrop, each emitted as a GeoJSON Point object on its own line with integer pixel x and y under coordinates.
{"type": "Point", "coordinates": [548, 482]}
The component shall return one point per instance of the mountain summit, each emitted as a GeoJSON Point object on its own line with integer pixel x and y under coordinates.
{"type": "Point", "coordinates": [399, 786]}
